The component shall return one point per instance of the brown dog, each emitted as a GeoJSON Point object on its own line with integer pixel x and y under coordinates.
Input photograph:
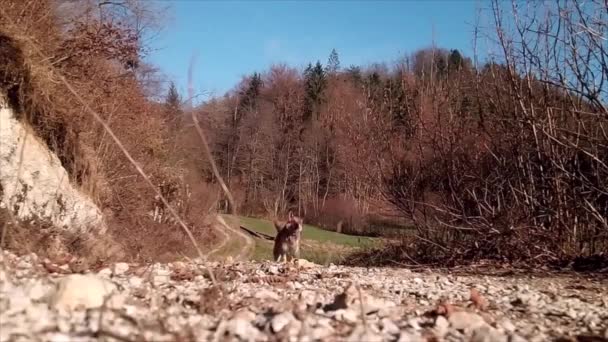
{"type": "Point", "coordinates": [287, 240]}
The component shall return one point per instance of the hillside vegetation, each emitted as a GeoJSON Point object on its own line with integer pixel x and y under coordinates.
{"type": "Point", "coordinates": [99, 48]}
{"type": "Point", "coordinates": [501, 157]}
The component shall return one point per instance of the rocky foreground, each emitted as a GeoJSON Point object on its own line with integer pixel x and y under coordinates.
{"type": "Point", "coordinates": [270, 302]}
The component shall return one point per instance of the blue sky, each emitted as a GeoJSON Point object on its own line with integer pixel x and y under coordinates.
{"type": "Point", "coordinates": [235, 38]}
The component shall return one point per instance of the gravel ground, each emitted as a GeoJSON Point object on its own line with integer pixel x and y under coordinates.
{"type": "Point", "coordinates": [41, 301]}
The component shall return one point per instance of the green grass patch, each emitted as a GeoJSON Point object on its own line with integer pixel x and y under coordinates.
{"type": "Point", "coordinates": [318, 245]}
{"type": "Point", "coordinates": [311, 233]}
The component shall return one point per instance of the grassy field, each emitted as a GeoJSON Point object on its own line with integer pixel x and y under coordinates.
{"type": "Point", "coordinates": [318, 245]}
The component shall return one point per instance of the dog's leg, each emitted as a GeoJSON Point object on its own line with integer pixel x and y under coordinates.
{"type": "Point", "coordinates": [296, 252]}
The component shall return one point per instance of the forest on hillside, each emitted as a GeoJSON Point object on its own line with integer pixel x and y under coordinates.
{"type": "Point", "coordinates": [502, 158]}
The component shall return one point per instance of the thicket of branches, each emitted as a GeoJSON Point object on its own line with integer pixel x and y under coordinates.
{"type": "Point", "coordinates": [505, 159]}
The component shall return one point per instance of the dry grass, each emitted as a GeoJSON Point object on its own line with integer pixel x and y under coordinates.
{"type": "Point", "coordinates": [50, 77]}
{"type": "Point", "coordinates": [47, 242]}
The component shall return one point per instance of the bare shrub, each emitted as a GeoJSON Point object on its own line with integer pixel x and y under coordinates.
{"type": "Point", "coordinates": [504, 160]}
{"type": "Point", "coordinates": [340, 215]}
{"type": "Point", "coordinates": [521, 174]}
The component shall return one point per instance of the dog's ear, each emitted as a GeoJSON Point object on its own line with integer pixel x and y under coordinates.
{"type": "Point", "coordinates": [277, 225]}
{"type": "Point", "coordinates": [300, 220]}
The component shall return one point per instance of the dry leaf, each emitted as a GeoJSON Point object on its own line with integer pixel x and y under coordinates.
{"type": "Point", "coordinates": [479, 302]}
{"type": "Point", "coordinates": [444, 308]}
{"type": "Point", "coordinates": [181, 274]}
{"type": "Point", "coordinates": [212, 299]}
{"type": "Point", "coordinates": [51, 268]}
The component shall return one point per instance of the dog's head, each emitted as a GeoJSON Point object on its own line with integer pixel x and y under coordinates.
{"type": "Point", "coordinates": [294, 223]}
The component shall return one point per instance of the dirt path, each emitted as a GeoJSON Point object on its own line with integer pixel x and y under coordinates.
{"type": "Point", "coordinates": [224, 238]}
{"type": "Point", "coordinates": [234, 242]}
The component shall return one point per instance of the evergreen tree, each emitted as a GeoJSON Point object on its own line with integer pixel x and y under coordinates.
{"type": "Point", "coordinates": [441, 65]}
{"type": "Point", "coordinates": [374, 86]}
{"type": "Point", "coordinates": [315, 83]}
{"type": "Point", "coordinates": [455, 60]}
{"type": "Point", "coordinates": [173, 100]}
{"type": "Point", "coordinates": [354, 72]}
{"type": "Point", "coordinates": [249, 97]}
{"type": "Point", "coordinates": [333, 62]}
{"type": "Point", "coordinates": [466, 106]}
{"type": "Point", "coordinates": [251, 94]}
{"type": "Point", "coordinates": [395, 96]}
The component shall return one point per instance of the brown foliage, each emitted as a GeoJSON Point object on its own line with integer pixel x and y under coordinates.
{"type": "Point", "coordinates": [478, 301]}
{"type": "Point", "coordinates": [505, 160]}
{"type": "Point", "coordinates": [97, 48]}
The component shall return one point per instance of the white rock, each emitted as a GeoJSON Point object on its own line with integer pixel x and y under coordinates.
{"type": "Point", "coordinates": [281, 320]}
{"type": "Point", "coordinates": [59, 337]}
{"type": "Point", "coordinates": [410, 337]}
{"type": "Point", "coordinates": [321, 333]}
{"type": "Point", "coordinates": [242, 329]}
{"type": "Point", "coordinates": [171, 296]}
{"type": "Point", "coordinates": [389, 327]}
{"type": "Point", "coordinates": [40, 318]}
{"type": "Point", "coordinates": [274, 270]}
{"type": "Point", "coordinates": [63, 325]}
{"type": "Point", "coordinates": [34, 181]}
{"type": "Point", "coordinates": [105, 272]}
{"type": "Point", "coordinates": [159, 275]}
{"type": "Point", "coordinates": [244, 314]}
{"type": "Point", "coordinates": [486, 333]}
{"type": "Point", "coordinates": [538, 338]}
{"type": "Point", "coordinates": [360, 333]}
{"type": "Point", "coordinates": [121, 268]}
{"type": "Point", "coordinates": [348, 315]}
{"type": "Point", "coordinates": [390, 311]}
{"type": "Point", "coordinates": [179, 265]}
{"type": "Point", "coordinates": [303, 263]}
{"type": "Point", "coordinates": [441, 326]}
{"type": "Point", "coordinates": [462, 320]}
{"type": "Point", "coordinates": [76, 290]}
{"type": "Point", "coordinates": [136, 281]}
{"type": "Point", "coordinates": [24, 263]}
{"type": "Point", "coordinates": [130, 310]}
{"type": "Point", "coordinates": [39, 291]}
{"type": "Point", "coordinates": [516, 338]}
{"type": "Point", "coordinates": [117, 300]}
{"type": "Point", "coordinates": [4, 305]}
{"type": "Point", "coordinates": [159, 280]}
{"type": "Point", "coordinates": [266, 294]}
{"type": "Point", "coordinates": [507, 325]}
{"type": "Point", "coordinates": [414, 322]}
{"type": "Point", "coordinates": [307, 297]}
{"type": "Point", "coordinates": [18, 300]}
